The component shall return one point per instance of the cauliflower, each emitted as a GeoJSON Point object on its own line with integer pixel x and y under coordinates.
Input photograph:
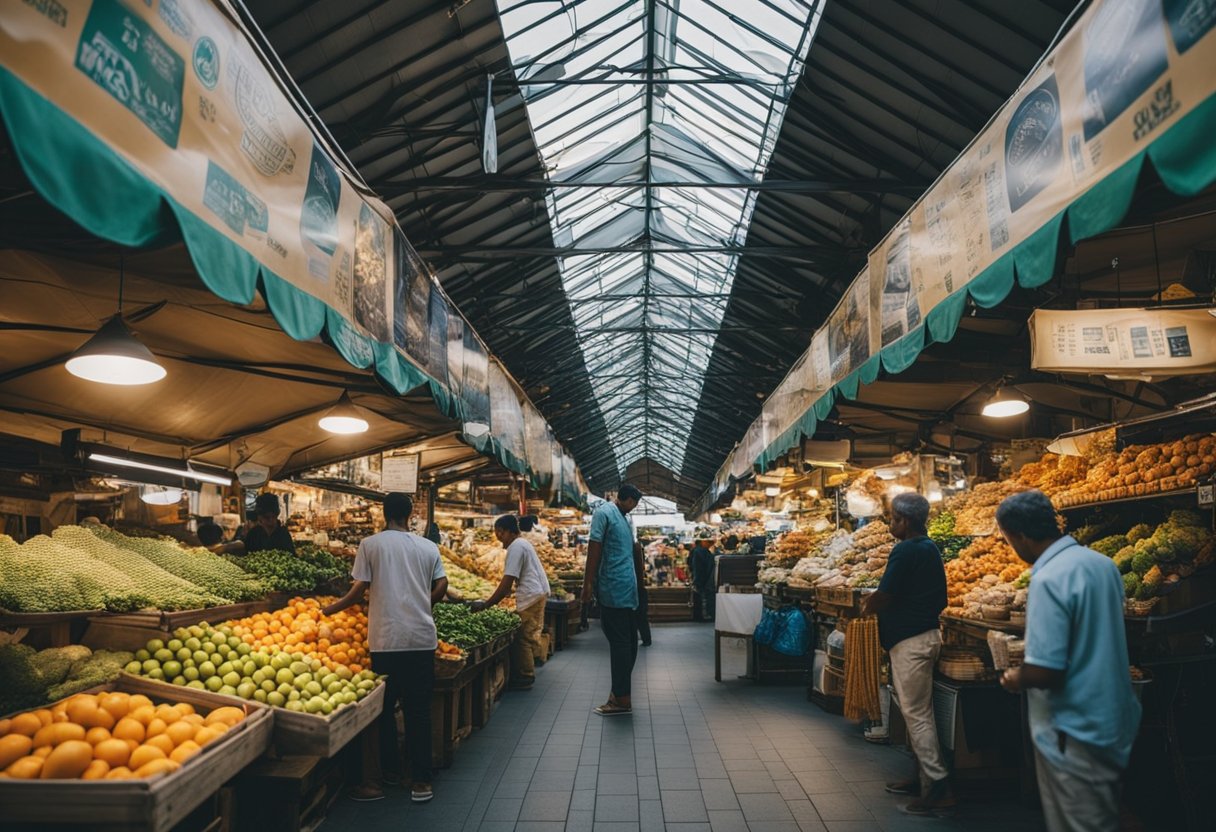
{"type": "Point", "coordinates": [1140, 531]}
{"type": "Point", "coordinates": [1109, 546]}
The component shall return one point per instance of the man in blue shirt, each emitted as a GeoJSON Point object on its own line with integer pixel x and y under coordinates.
{"type": "Point", "coordinates": [1083, 714]}
{"type": "Point", "coordinates": [614, 572]}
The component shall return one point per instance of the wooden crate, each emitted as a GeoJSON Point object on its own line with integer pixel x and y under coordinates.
{"type": "Point", "coordinates": [156, 804]}
{"type": "Point", "coordinates": [131, 631]}
{"type": "Point", "coordinates": [306, 734]}
{"type": "Point", "coordinates": [57, 626]}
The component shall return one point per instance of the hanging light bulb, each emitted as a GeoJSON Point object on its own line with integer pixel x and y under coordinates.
{"type": "Point", "coordinates": [160, 495]}
{"type": "Point", "coordinates": [114, 356]}
{"type": "Point", "coordinates": [343, 417]}
{"type": "Point", "coordinates": [1005, 403]}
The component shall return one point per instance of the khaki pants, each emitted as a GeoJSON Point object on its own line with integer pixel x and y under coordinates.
{"type": "Point", "coordinates": [912, 663]}
{"type": "Point", "coordinates": [1084, 799]}
{"type": "Point", "coordinates": [527, 641]}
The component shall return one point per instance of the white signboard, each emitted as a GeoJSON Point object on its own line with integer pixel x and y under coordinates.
{"type": "Point", "coordinates": [399, 473]}
{"type": "Point", "coordinates": [1152, 343]}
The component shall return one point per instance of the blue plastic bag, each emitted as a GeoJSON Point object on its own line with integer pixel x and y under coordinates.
{"type": "Point", "coordinates": [767, 630]}
{"type": "Point", "coordinates": [793, 636]}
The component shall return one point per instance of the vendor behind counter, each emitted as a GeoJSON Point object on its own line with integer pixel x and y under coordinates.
{"type": "Point", "coordinates": [268, 532]}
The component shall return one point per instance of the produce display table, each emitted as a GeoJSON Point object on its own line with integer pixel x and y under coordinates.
{"type": "Point", "coordinates": [295, 732]}
{"type": "Point", "coordinates": [57, 624]}
{"type": "Point", "coordinates": [737, 615]}
{"type": "Point", "coordinates": [156, 804]}
{"type": "Point", "coordinates": [465, 700]}
{"type": "Point", "coordinates": [131, 631]}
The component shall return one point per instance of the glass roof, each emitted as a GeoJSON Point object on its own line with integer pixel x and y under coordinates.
{"type": "Point", "coordinates": [638, 107]}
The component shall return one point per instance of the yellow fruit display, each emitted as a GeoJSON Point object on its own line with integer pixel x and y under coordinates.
{"type": "Point", "coordinates": [108, 736]}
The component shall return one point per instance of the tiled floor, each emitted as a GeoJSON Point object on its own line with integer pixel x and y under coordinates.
{"type": "Point", "coordinates": [695, 756]}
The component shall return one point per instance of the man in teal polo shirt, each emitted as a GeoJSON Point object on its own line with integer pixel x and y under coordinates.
{"type": "Point", "coordinates": [1083, 714]}
{"type": "Point", "coordinates": [614, 572]}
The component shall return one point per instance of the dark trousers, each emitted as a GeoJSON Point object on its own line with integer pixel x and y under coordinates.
{"type": "Point", "coordinates": [621, 629]}
{"type": "Point", "coordinates": [643, 616]}
{"type": "Point", "coordinates": [696, 606]}
{"type": "Point", "coordinates": [411, 679]}
{"type": "Point", "coordinates": [709, 598]}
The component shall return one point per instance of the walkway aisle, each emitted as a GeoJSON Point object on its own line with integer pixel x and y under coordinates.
{"type": "Point", "coordinates": [695, 756]}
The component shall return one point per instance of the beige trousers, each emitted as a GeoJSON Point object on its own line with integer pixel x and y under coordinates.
{"type": "Point", "coordinates": [1082, 800]}
{"type": "Point", "coordinates": [912, 663]}
{"type": "Point", "coordinates": [527, 641]}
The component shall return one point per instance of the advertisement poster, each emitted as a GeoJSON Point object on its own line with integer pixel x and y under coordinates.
{"type": "Point", "coordinates": [370, 279]}
{"type": "Point", "coordinates": [1034, 144]}
{"type": "Point", "coordinates": [319, 214]}
{"type": "Point", "coordinates": [895, 302]}
{"type": "Point", "coordinates": [371, 273]}
{"type": "Point", "coordinates": [849, 329]}
{"type": "Point", "coordinates": [1154, 343]}
{"type": "Point", "coordinates": [476, 390]}
{"type": "Point", "coordinates": [438, 332]}
{"type": "Point", "coordinates": [1124, 55]}
{"type": "Point", "coordinates": [412, 311]}
{"type": "Point", "coordinates": [455, 353]}
{"type": "Point", "coordinates": [399, 472]}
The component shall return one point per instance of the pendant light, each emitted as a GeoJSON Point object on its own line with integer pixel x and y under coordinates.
{"type": "Point", "coordinates": [1005, 403]}
{"type": "Point", "coordinates": [343, 418]}
{"type": "Point", "coordinates": [113, 355]}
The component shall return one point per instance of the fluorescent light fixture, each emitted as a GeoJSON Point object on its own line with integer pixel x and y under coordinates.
{"type": "Point", "coordinates": [185, 471]}
{"type": "Point", "coordinates": [159, 495]}
{"type": "Point", "coordinates": [772, 491]}
{"type": "Point", "coordinates": [114, 356]}
{"type": "Point", "coordinates": [343, 418]}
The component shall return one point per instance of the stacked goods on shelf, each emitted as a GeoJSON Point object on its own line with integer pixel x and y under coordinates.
{"type": "Point", "coordinates": [338, 640]}
{"type": "Point", "coordinates": [793, 546]}
{"type": "Point", "coordinates": [942, 532]}
{"type": "Point", "coordinates": [821, 560]}
{"type": "Point", "coordinates": [465, 585]}
{"type": "Point", "coordinates": [76, 569]}
{"type": "Point", "coordinates": [1154, 559]}
{"type": "Point", "coordinates": [773, 575]}
{"type": "Point", "coordinates": [974, 511]}
{"type": "Point", "coordinates": [555, 560]}
{"type": "Point", "coordinates": [986, 580]}
{"type": "Point", "coordinates": [864, 560]}
{"type": "Point", "coordinates": [1139, 470]}
{"type": "Point", "coordinates": [458, 625]}
{"type": "Point", "coordinates": [108, 736]}
{"type": "Point", "coordinates": [487, 562]}
{"type": "Point", "coordinates": [218, 660]}
{"type": "Point", "coordinates": [36, 677]}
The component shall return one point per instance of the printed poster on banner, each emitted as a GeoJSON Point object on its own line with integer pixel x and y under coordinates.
{"type": "Point", "coordinates": [371, 270]}
{"type": "Point", "coordinates": [412, 293]}
{"type": "Point", "coordinates": [476, 389]}
{"type": "Point", "coordinates": [1151, 343]}
{"type": "Point", "coordinates": [438, 334]}
{"type": "Point", "coordinates": [849, 329]}
{"type": "Point", "coordinates": [455, 353]}
{"type": "Point", "coordinates": [895, 303]}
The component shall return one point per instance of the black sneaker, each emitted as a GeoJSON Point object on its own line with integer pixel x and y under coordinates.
{"type": "Point", "coordinates": [908, 788]}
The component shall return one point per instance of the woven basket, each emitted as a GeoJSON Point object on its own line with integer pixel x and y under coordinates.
{"type": "Point", "coordinates": [446, 668]}
{"type": "Point", "coordinates": [1139, 608]}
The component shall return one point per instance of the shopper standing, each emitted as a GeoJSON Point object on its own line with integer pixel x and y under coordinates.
{"type": "Point", "coordinates": [909, 602]}
{"type": "Point", "coordinates": [404, 572]}
{"type": "Point", "coordinates": [701, 567]}
{"type": "Point", "coordinates": [643, 616]}
{"type": "Point", "coordinates": [1083, 714]}
{"type": "Point", "coordinates": [525, 574]}
{"type": "Point", "coordinates": [614, 573]}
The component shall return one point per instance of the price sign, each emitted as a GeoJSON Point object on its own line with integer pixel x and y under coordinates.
{"type": "Point", "coordinates": [1207, 495]}
{"type": "Point", "coordinates": [399, 473]}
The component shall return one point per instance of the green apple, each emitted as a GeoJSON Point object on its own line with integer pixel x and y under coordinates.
{"type": "Point", "coordinates": [214, 683]}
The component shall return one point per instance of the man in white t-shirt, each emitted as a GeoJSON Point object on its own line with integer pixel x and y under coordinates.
{"type": "Point", "coordinates": [405, 575]}
{"type": "Point", "coordinates": [524, 572]}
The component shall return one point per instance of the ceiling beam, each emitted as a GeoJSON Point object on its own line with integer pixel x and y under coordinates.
{"type": "Point", "coordinates": [487, 183]}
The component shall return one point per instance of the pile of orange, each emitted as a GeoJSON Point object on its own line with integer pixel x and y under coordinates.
{"type": "Point", "coordinates": [110, 736]}
{"type": "Point", "coordinates": [338, 640]}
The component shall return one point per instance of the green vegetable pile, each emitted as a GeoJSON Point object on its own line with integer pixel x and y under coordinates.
{"type": "Point", "coordinates": [282, 571]}
{"type": "Point", "coordinates": [1150, 558]}
{"type": "Point", "coordinates": [34, 678]}
{"type": "Point", "coordinates": [941, 532]}
{"type": "Point", "coordinates": [74, 569]}
{"type": "Point", "coordinates": [327, 565]}
{"type": "Point", "coordinates": [458, 625]}
{"type": "Point", "coordinates": [197, 565]}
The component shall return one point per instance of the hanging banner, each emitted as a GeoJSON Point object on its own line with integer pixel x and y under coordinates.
{"type": "Point", "coordinates": [849, 327]}
{"type": "Point", "coordinates": [506, 416]}
{"type": "Point", "coordinates": [437, 330]}
{"type": "Point", "coordinates": [373, 238]}
{"type": "Point", "coordinates": [1122, 76]}
{"type": "Point", "coordinates": [411, 324]}
{"type": "Point", "coordinates": [476, 388]}
{"type": "Point", "coordinates": [1151, 343]}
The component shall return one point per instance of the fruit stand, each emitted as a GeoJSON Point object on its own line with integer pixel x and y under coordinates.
{"type": "Point", "coordinates": [148, 803]}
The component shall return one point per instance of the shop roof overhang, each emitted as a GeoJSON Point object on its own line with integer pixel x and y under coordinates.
{"type": "Point", "coordinates": [238, 389]}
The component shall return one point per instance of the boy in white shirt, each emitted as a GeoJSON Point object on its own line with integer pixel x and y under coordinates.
{"type": "Point", "coordinates": [525, 573]}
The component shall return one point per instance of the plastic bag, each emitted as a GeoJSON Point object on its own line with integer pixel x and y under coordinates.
{"type": "Point", "coordinates": [768, 628]}
{"type": "Point", "coordinates": [793, 637]}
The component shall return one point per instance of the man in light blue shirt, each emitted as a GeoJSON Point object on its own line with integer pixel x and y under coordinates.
{"type": "Point", "coordinates": [1083, 714]}
{"type": "Point", "coordinates": [614, 572]}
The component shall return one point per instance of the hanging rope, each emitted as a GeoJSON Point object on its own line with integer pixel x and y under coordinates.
{"type": "Point", "coordinates": [862, 655]}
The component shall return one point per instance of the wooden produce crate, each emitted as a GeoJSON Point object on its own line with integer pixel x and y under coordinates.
{"type": "Point", "coordinates": [57, 625]}
{"type": "Point", "coordinates": [451, 714]}
{"type": "Point", "coordinates": [842, 602]}
{"type": "Point", "coordinates": [155, 804]}
{"type": "Point", "coordinates": [131, 631]}
{"type": "Point", "coordinates": [301, 733]}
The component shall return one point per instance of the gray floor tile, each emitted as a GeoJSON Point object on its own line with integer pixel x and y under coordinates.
{"type": "Point", "coordinates": [617, 782]}
{"type": "Point", "coordinates": [678, 778]}
{"type": "Point", "coordinates": [580, 821]}
{"type": "Point", "coordinates": [650, 815]}
{"type": "Point", "coordinates": [503, 808]}
{"type": "Point", "coordinates": [758, 807]}
{"type": "Point", "coordinates": [718, 795]}
{"type": "Point", "coordinates": [822, 782]}
{"type": "Point", "coordinates": [727, 821]}
{"type": "Point", "coordinates": [545, 806]}
{"type": "Point", "coordinates": [840, 806]}
{"type": "Point", "coordinates": [683, 807]}
{"type": "Point", "coordinates": [614, 807]}
{"type": "Point", "coordinates": [752, 782]}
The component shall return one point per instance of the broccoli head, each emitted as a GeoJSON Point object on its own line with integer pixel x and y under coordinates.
{"type": "Point", "coordinates": [1140, 531]}
{"type": "Point", "coordinates": [1131, 584]}
{"type": "Point", "coordinates": [1109, 546]}
{"type": "Point", "coordinates": [1124, 558]}
{"type": "Point", "coordinates": [17, 671]}
{"type": "Point", "coordinates": [52, 666]}
{"type": "Point", "coordinates": [1184, 517]}
{"type": "Point", "coordinates": [1143, 561]}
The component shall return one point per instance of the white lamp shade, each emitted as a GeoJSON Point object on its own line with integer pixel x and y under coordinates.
{"type": "Point", "coordinates": [343, 418]}
{"type": "Point", "coordinates": [114, 356]}
{"type": "Point", "coordinates": [1004, 405]}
